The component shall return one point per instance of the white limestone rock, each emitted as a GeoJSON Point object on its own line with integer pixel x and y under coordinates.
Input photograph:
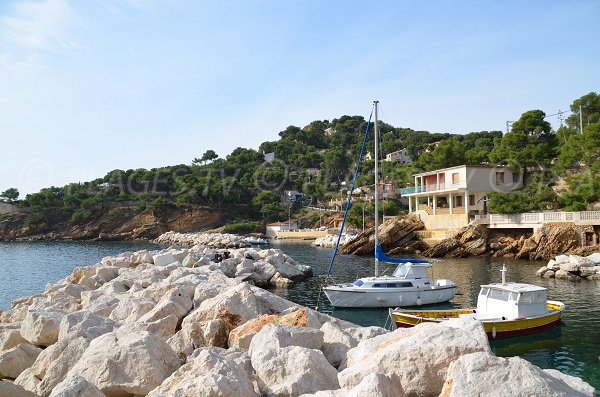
{"type": "Point", "coordinates": [336, 343]}
{"type": "Point", "coordinates": [121, 363]}
{"type": "Point", "coordinates": [27, 380]}
{"type": "Point", "coordinates": [394, 353]}
{"type": "Point", "coordinates": [483, 374]}
{"type": "Point", "coordinates": [292, 371]}
{"type": "Point", "coordinates": [560, 259]}
{"type": "Point", "coordinates": [130, 310]}
{"type": "Point", "coordinates": [75, 385]}
{"type": "Point", "coordinates": [163, 259]}
{"type": "Point", "coordinates": [595, 257]}
{"type": "Point", "coordinates": [208, 374]}
{"type": "Point", "coordinates": [17, 360]}
{"type": "Point", "coordinates": [8, 389]}
{"type": "Point", "coordinates": [277, 336]}
{"type": "Point", "coordinates": [40, 327]}
{"type": "Point", "coordinates": [373, 385]}
{"type": "Point", "coordinates": [85, 324]}
{"type": "Point", "coordinates": [51, 368]}
{"type": "Point", "coordinates": [10, 336]}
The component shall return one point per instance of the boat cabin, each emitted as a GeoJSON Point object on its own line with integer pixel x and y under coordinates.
{"type": "Point", "coordinates": [511, 301]}
{"type": "Point", "coordinates": [412, 271]}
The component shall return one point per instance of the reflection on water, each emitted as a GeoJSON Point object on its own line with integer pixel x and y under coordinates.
{"type": "Point", "coordinates": [572, 348]}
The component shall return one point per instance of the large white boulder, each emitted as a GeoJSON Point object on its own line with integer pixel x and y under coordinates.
{"type": "Point", "coordinates": [208, 374]}
{"type": "Point", "coordinates": [10, 336]}
{"type": "Point", "coordinates": [166, 258]}
{"type": "Point", "coordinates": [75, 385]}
{"type": "Point", "coordinates": [373, 385]}
{"type": "Point", "coordinates": [292, 371]}
{"type": "Point", "coordinates": [336, 343]}
{"type": "Point", "coordinates": [483, 374]}
{"type": "Point", "coordinates": [40, 327]}
{"type": "Point", "coordinates": [595, 257]}
{"type": "Point", "coordinates": [278, 336]}
{"type": "Point", "coordinates": [121, 363]}
{"type": "Point", "coordinates": [8, 389]}
{"type": "Point", "coordinates": [56, 361]}
{"type": "Point", "coordinates": [85, 324]}
{"type": "Point", "coordinates": [17, 360]}
{"type": "Point", "coordinates": [27, 380]}
{"type": "Point", "coordinates": [394, 354]}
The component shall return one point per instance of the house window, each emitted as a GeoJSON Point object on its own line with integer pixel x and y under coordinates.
{"type": "Point", "coordinates": [500, 178]}
{"type": "Point", "coordinates": [458, 201]}
{"type": "Point", "coordinates": [455, 178]}
{"type": "Point", "coordinates": [471, 199]}
{"type": "Point", "coordinates": [515, 177]}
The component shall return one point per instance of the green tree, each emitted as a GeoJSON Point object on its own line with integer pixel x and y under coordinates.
{"type": "Point", "coordinates": [536, 196]}
{"type": "Point", "coordinates": [590, 108]}
{"type": "Point", "coordinates": [10, 195]}
{"type": "Point", "coordinates": [209, 155]}
{"type": "Point", "coordinates": [529, 143]}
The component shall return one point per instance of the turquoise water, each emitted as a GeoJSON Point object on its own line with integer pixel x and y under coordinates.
{"type": "Point", "coordinates": [26, 267]}
{"type": "Point", "coordinates": [573, 347]}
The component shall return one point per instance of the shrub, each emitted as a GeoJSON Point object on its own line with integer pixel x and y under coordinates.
{"type": "Point", "coordinates": [244, 227]}
{"type": "Point", "coordinates": [81, 216]}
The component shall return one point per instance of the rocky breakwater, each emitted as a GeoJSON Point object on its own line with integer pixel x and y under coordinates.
{"type": "Point", "coordinates": [396, 236]}
{"type": "Point", "coordinates": [134, 325]}
{"type": "Point", "coordinates": [572, 267]}
{"type": "Point", "coordinates": [211, 240]}
{"type": "Point", "coordinates": [330, 240]}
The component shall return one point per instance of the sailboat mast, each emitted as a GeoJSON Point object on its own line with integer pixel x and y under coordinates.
{"type": "Point", "coordinates": [376, 196]}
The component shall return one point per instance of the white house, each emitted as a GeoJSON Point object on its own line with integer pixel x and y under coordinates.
{"type": "Point", "coordinates": [400, 156]}
{"type": "Point", "coordinates": [273, 228]}
{"type": "Point", "coordinates": [448, 198]}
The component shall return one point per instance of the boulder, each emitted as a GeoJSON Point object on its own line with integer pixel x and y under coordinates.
{"type": "Point", "coordinates": [277, 336]}
{"type": "Point", "coordinates": [17, 360]}
{"type": "Point", "coordinates": [336, 343]}
{"type": "Point", "coordinates": [27, 380]}
{"type": "Point", "coordinates": [595, 257]}
{"type": "Point", "coordinates": [541, 271]}
{"type": "Point", "coordinates": [373, 385]}
{"type": "Point", "coordinates": [483, 374]}
{"type": "Point", "coordinates": [40, 327]}
{"type": "Point", "coordinates": [121, 363]}
{"type": "Point", "coordinates": [393, 354]}
{"type": "Point", "coordinates": [565, 275]}
{"type": "Point", "coordinates": [56, 361]}
{"type": "Point", "coordinates": [242, 335]}
{"type": "Point", "coordinates": [75, 385]}
{"type": "Point", "coordinates": [10, 336]}
{"type": "Point", "coordinates": [292, 371]}
{"type": "Point", "coordinates": [208, 374]}
{"type": "Point", "coordinates": [8, 389]}
{"type": "Point", "coordinates": [85, 324]}
{"type": "Point", "coordinates": [166, 258]}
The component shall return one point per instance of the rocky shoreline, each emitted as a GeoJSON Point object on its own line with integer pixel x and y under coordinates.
{"type": "Point", "coordinates": [176, 322]}
{"type": "Point", "coordinates": [572, 267]}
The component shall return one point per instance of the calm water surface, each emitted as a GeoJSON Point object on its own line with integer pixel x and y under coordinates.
{"type": "Point", "coordinates": [26, 267]}
{"type": "Point", "coordinates": [572, 348]}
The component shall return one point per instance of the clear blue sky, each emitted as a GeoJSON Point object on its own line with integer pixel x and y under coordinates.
{"type": "Point", "coordinates": [91, 86]}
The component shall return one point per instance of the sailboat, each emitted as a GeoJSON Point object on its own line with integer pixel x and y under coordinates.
{"type": "Point", "coordinates": [409, 284]}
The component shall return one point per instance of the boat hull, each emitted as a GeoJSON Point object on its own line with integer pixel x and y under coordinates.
{"type": "Point", "coordinates": [387, 297]}
{"type": "Point", "coordinates": [494, 328]}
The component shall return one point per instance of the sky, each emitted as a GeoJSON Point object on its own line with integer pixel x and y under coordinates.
{"type": "Point", "coordinates": [90, 86]}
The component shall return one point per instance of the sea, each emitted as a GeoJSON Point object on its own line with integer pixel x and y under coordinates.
{"type": "Point", "coordinates": [572, 348]}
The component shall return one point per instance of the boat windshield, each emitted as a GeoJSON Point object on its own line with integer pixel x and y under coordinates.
{"type": "Point", "coordinates": [358, 283]}
{"type": "Point", "coordinates": [402, 270]}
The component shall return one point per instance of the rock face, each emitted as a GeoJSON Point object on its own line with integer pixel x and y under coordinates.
{"type": "Point", "coordinates": [17, 360]}
{"type": "Point", "coordinates": [546, 242]}
{"type": "Point", "coordinates": [572, 267]}
{"type": "Point", "coordinates": [482, 374]}
{"type": "Point", "coordinates": [470, 241]}
{"type": "Point", "coordinates": [395, 236]}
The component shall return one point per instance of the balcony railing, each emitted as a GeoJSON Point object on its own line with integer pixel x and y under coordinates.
{"type": "Point", "coordinates": [433, 187]}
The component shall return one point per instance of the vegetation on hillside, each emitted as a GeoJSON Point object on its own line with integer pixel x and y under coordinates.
{"type": "Point", "coordinates": [319, 160]}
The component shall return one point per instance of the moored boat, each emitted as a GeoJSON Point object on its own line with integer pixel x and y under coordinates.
{"type": "Point", "coordinates": [504, 309]}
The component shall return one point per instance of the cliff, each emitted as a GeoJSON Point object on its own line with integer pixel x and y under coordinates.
{"type": "Point", "coordinates": [124, 223]}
